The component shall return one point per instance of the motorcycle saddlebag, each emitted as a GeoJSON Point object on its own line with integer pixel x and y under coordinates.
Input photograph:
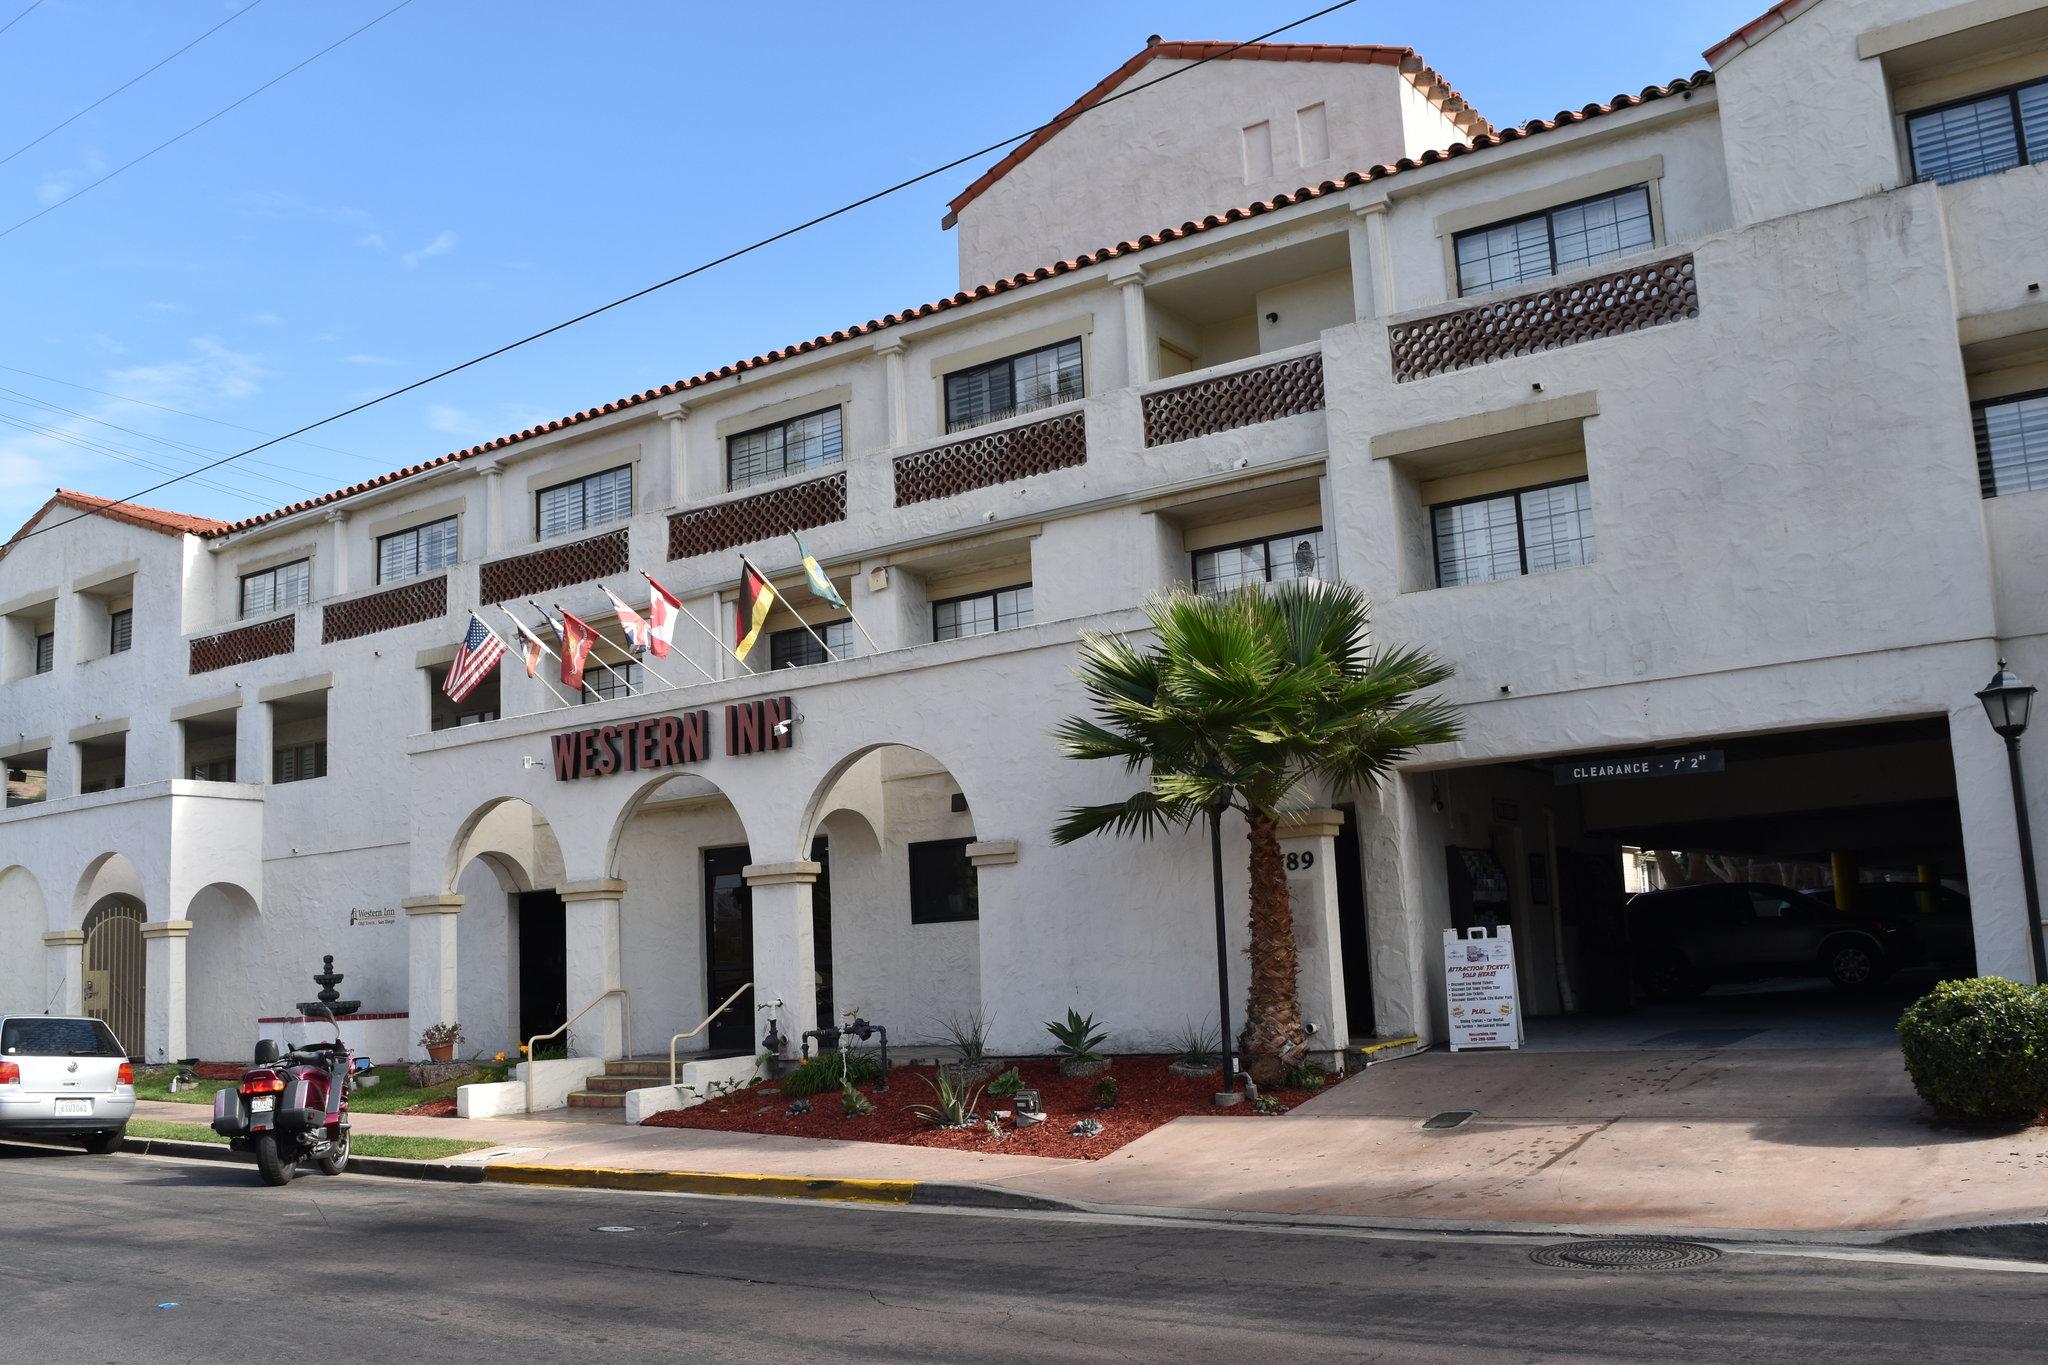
{"type": "Point", "coordinates": [230, 1113]}
{"type": "Point", "coordinates": [293, 1111]}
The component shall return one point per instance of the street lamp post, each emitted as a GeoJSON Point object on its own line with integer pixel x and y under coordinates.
{"type": "Point", "coordinates": [1227, 1054]}
{"type": "Point", "coordinates": [2008, 703]}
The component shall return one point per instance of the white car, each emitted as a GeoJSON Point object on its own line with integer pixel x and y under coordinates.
{"type": "Point", "coordinates": [63, 1076]}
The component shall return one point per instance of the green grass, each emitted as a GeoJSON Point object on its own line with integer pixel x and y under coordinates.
{"type": "Point", "coordinates": [388, 1096]}
{"type": "Point", "coordinates": [360, 1144]}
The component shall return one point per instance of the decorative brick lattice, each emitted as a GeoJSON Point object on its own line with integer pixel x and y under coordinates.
{"type": "Point", "coordinates": [1626, 301]}
{"type": "Point", "coordinates": [778, 512]}
{"type": "Point", "coordinates": [245, 644]}
{"type": "Point", "coordinates": [999, 457]}
{"type": "Point", "coordinates": [1286, 388]}
{"type": "Point", "coordinates": [405, 605]}
{"type": "Point", "coordinates": [580, 561]}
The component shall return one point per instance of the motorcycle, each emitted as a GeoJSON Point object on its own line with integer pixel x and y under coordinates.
{"type": "Point", "coordinates": [292, 1106]}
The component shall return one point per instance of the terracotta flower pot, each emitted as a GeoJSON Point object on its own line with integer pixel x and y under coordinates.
{"type": "Point", "coordinates": [440, 1052]}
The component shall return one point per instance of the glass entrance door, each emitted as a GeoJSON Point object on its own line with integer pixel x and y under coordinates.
{"type": "Point", "coordinates": [729, 946]}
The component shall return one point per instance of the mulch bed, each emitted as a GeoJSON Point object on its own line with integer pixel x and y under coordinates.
{"type": "Point", "coordinates": [1148, 1095]}
{"type": "Point", "coordinates": [443, 1108]}
{"type": "Point", "coordinates": [218, 1071]}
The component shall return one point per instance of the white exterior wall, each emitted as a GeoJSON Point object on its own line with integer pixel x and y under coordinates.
{"type": "Point", "coordinates": [1790, 534]}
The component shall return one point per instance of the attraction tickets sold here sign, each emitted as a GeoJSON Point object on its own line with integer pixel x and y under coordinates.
{"type": "Point", "coordinates": [1479, 986]}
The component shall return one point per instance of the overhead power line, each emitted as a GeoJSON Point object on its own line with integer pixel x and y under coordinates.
{"type": "Point", "coordinates": [58, 128]}
{"type": "Point", "coordinates": [217, 114]}
{"type": "Point", "coordinates": [33, 7]}
{"type": "Point", "coordinates": [712, 264]}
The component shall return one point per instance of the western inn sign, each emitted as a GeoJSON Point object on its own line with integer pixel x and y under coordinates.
{"type": "Point", "coordinates": [669, 741]}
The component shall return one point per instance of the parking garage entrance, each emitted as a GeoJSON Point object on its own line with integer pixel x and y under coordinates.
{"type": "Point", "coordinates": [1788, 889]}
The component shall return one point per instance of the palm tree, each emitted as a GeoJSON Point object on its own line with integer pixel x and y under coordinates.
{"type": "Point", "coordinates": [1250, 702]}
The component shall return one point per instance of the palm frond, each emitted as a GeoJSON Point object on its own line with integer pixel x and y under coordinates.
{"type": "Point", "coordinates": [1142, 813]}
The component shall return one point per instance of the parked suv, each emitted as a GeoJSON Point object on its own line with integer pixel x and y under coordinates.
{"type": "Point", "coordinates": [1937, 918]}
{"type": "Point", "coordinates": [1690, 937]}
{"type": "Point", "coordinates": [64, 1077]}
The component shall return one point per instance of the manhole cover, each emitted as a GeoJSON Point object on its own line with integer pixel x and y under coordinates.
{"type": "Point", "coordinates": [1450, 1118]}
{"type": "Point", "coordinates": [1625, 1253]}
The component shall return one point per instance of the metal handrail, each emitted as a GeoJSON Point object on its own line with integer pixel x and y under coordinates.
{"type": "Point", "coordinates": [533, 1043]}
{"type": "Point", "coordinates": [700, 1028]}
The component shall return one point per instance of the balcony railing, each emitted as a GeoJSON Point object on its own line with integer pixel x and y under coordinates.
{"type": "Point", "coordinates": [558, 566]}
{"type": "Point", "coordinates": [424, 599]}
{"type": "Point", "coordinates": [762, 516]}
{"type": "Point", "coordinates": [999, 457]}
{"type": "Point", "coordinates": [1066, 390]}
{"type": "Point", "coordinates": [1243, 398]}
{"type": "Point", "coordinates": [244, 644]}
{"type": "Point", "coordinates": [1604, 306]}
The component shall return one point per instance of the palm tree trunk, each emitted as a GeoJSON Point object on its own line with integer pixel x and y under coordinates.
{"type": "Point", "coordinates": [1273, 1035]}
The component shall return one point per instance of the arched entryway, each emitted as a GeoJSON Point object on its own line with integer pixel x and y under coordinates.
{"type": "Point", "coordinates": [23, 921]}
{"type": "Point", "coordinates": [507, 867]}
{"type": "Point", "coordinates": [115, 969]}
{"type": "Point", "coordinates": [229, 967]}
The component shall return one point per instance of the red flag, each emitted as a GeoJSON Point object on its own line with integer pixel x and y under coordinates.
{"type": "Point", "coordinates": [577, 640]}
{"type": "Point", "coordinates": [662, 609]}
{"type": "Point", "coordinates": [474, 659]}
{"type": "Point", "coordinates": [632, 622]}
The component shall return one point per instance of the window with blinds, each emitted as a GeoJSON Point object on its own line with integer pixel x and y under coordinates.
{"type": "Point", "coordinates": [567, 508]}
{"type": "Point", "coordinates": [416, 550]}
{"type": "Point", "coordinates": [621, 679]}
{"type": "Point", "coordinates": [808, 442]}
{"type": "Point", "coordinates": [46, 652]}
{"type": "Point", "coordinates": [1013, 385]}
{"type": "Point", "coordinates": [121, 631]}
{"type": "Point", "coordinates": [1556, 240]}
{"type": "Point", "coordinates": [277, 589]}
{"type": "Point", "coordinates": [1272, 559]}
{"type": "Point", "coordinates": [796, 648]}
{"type": "Point", "coordinates": [982, 613]}
{"type": "Point", "coordinates": [2012, 444]}
{"type": "Point", "coordinates": [1507, 535]}
{"type": "Point", "coordinates": [299, 762]}
{"type": "Point", "coordinates": [1982, 135]}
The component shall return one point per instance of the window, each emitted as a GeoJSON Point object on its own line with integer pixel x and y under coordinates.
{"type": "Point", "coordinates": [606, 684]}
{"type": "Point", "coordinates": [219, 770]}
{"type": "Point", "coordinates": [982, 612]}
{"type": "Point", "coordinates": [796, 648]}
{"type": "Point", "coordinates": [783, 448]}
{"type": "Point", "coordinates": [46, 652]}
{"type": "Point", "coordinates": [942, 886]}
{"type": "Point", "coordinates": [28, 779]}
{"type": "Point", "coordinates": [32, 1037]}
{"type": "Point", "coordinates": [287, 585]}
{"type": "Point", "coordinates": [1980, 136]}
{"type": "Point", "coordinates": [1019, 383]}
{"type": "Point", "coordinates": [1507, 535]}
{"type": "Point", "coordinates": [569, 507]}
{"type": "Point", "coordinates": [121, 631]}
{"type": "Point", "coordinates": [1555, 240]}
{"type": "Point", "coordinates": [299, 762]}
{"type": "Point", "coordinates": [1298, 554]}
{"type": "Point", "coordinates": [2012, 444]}
{"type": "Point", "coordinates": [417, 550]}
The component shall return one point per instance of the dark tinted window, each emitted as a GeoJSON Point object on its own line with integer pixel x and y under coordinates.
{"type": "Point", "coordinates": [58, 1038]}
{"type": "Point", "coordinates": [942, 886]}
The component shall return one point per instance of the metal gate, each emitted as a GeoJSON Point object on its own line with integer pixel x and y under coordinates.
{"type": "Point", "coordinates": [115, 969]}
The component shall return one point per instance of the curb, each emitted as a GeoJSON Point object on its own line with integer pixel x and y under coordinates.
{"type": "Point", "coordinates": [846, 1190]}
{"type": "Point", "coordinates": [394, 1168]}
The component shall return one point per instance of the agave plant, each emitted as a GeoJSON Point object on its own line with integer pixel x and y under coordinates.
{"type": "Point", "coordinates": [1077, 1038]}
{"type": "Point", "coordinates": [952, 1105]}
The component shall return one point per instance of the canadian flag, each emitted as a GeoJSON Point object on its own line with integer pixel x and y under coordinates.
{"type": "Point", "coordinates": [662, 610]}
{"type": "Point", "coordinates": [577, 639]}
{"type": "Point", "coordinates": [632, 622]}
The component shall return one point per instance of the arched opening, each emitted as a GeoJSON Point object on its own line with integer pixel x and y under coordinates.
{"type": "Point", "coordinates": [511, 946]}
{"type": "Point", "coordinates": [904, 906]}
{"type": "Point", "coordinates": [22, 923]}
{"type": "Point", "coordinates": [686, 917]}
{"type": "Point", "coordinates": [228, 967]}
{"type": "Point", "coordinates": [115, 970]}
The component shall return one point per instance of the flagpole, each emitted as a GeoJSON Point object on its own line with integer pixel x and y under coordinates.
{"type": "Point", "coordinates": [501, 640]}
{"type": "Point", "coordinates": [712, 633]}
{"type": "Point", "coordinates": [873, 648]}
{"type": "Point", "coordinates": [792, 609]}
{"type": "Point", "coordinates": [650, 667]}
{"type": "Point", "coordinates": [835, 599]}
{"type": "Point", "coordinates": [525, 634]}
{"type": "Point", "coordinates": [596, 639]}
{"type": "Point", "coordinates": [709, 677]}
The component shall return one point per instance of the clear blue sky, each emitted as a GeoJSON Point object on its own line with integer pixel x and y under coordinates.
{"type": "Point", "coordinates": [463, 173]}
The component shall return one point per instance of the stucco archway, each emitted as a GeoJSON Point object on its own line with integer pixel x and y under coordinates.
{"type": "Point", "coordinates": [230, 968]}
{"type": "Point", "coordinates": [506, 864]}
{"type": "Point", "coordinates": [23, 921]}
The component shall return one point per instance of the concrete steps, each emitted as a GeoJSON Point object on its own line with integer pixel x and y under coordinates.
{"type": "Point", "coordinates": [608, 1091]}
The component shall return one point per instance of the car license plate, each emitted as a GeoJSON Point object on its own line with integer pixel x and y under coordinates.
{"type": "Point", "coordinates": [73, 1109]}
{"type": "Point", "coordinates": [262, 1104]}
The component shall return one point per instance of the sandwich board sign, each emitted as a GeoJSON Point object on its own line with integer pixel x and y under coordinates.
{"type": "Point", "coordinates": [1480, 989]}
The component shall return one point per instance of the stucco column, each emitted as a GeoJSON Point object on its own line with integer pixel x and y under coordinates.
{"type": "Point", "coordinates": [1407, 904]}
{"type": "Point", "coordinates": [892, 352]}
{"type": "Point", "coordinates": [163, 1028]}
{"type": "Point", "coordinates": [590, 913]}
{"type": "Point", "coordinates": [785, 955]}
{"type": "Point", "coordinates": [337, 551]}
{"type": "Point", "coordinates": [64, 971]}
{"type": "Point", "coordinates": [1372, 267]}
{"type": "Point", "coordinates": [1308, 850]}
{"type": "Point", "coordinates": [675, 415]}
{"type": "Point", "coordinates": [252, 740]}
{"type": "Point", "coordinates": [1129, 279]}
{"type": "Point", "coordinates": [1991, 844]}
{"type": "Point", "coordinates": [430, 980]}
{"type": "Point", "coordinates": [495, 538]}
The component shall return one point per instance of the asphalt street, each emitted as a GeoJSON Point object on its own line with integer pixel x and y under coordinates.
{"type": "Point", "coordinates": [129, 1258]}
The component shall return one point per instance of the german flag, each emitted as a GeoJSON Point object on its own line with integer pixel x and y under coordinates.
{"type": "Point", "coordinates": [757, 599]}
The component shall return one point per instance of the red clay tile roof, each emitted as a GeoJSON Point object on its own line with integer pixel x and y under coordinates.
{"type": "Point", "coordinates": [1776, 17]}
{"type": "Point", "coordinates": [1422, 76]}
{"type": "Point", "coordinates": [134, 514]}
{"type": "Point", "coordinates": [1564, 119]}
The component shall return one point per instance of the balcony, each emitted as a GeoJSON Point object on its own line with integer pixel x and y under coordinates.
{"type": "Point", "coordinates": [1241, 398]}
{"type": "Point", "coordinates": [1003, 456]}
{"type": "Point", "coordinates": [759, 516]}
{"type": "Point", "coordinates": [422, 599]}
{"type": "Point", "coordinates": [557, 566]}
{"type": "Point", "coordinates": [244, 644]}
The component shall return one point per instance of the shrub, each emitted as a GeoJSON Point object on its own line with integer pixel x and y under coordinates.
{"type": "Point", "coordinates": [1196, 1044]}
{"type": "Point", "coordinates": [952, 1105]}
{"type": "Point", "coordinates": [1978, 1049]}
{"type": "Point", "coordinates": [1007, 1084]}
{"type": "Point", "coordinates": [1077, 1038]}
{"type": "Point", "coordinates": [853, 1104]}
{"type": "Point", "coordinates": [1102, 1094]}
{"type": "Point", "coordinates": [830, 1071]}
{"type": "Point", "coordinates": [1305, 1076]}
{"type": "Point", "coordinates": [968, 1033]}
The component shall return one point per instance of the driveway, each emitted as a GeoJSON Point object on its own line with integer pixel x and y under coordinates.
{"type": "Point", "coordinates": [1788, 1013]}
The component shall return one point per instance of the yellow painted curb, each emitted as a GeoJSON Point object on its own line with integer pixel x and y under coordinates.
{"type": "Point", "coordinates": [1370, 1048]}
{"type": "Point", "coordinates": [705, 1182]}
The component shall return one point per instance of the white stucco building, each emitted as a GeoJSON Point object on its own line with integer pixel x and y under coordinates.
{"type": "Point", "coordinates": [1701, 421]}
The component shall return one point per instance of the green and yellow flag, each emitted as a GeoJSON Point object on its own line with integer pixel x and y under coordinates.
{"type": "Point", "coordinates": [821, 586]}
{"type": "Point", "coordinates": [756, 600]}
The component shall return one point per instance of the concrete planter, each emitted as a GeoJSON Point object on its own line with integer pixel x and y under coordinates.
{"type": "Point", "coordinates": [1071, 1067]}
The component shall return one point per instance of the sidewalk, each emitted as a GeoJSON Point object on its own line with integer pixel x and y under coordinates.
{"type": "Point", "coordinates": [1790, 1140]}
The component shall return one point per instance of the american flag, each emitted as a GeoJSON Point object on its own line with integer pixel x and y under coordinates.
{"type": "Point", "coordinates": [480, 652]}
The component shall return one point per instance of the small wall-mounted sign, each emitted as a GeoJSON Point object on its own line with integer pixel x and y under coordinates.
{"type": "Point", "coordinates": [1619, 766]}
{"type": "Point", "coordinates": [364, 914]}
